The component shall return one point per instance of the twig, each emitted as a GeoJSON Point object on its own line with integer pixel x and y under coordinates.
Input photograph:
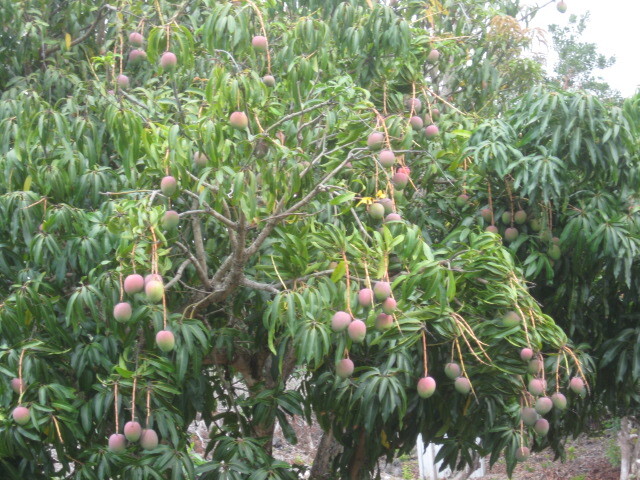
{"type": "Point", "coordinates": [298, 113]}
{"type": "Point", "coordinates": [231, 57]}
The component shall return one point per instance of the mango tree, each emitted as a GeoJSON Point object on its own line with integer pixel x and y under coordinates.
{"type": "Point", "coordinates": [203, 200]}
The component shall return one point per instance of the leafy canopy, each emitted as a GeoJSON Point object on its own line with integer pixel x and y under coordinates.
{"type": "Point", "coordinates": [276, 233]}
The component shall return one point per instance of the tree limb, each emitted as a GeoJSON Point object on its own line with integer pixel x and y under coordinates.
{"type": "Point", "coordinates": [214, 213]}
{"type": "Point", "coordinates": [259, 286]}
{"type": "Point", "coordinates": [178, 275]}
{"type": "Point", "coordinates": [201, 273]}
{"type": "Point", "coordinates": [54, 48]}
{"type": "Point", "coordinates": [274, 219]}
{"type": "Point", "coordinates": [201, 256]}
{"type": "Point", "coordinates": [297, 114]}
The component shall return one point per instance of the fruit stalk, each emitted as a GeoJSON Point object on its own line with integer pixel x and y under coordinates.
{"type": "Point", "coordinates": [506, 184]}
{"type": "Point", "coordinates": [148, 406]}
{"type": "Point", "coordinates": [20, 376]}
{"type": "Point", "coordinates": [154, 252]}
{"type": "Point", "coordinates": [55, 423]}
{"type": "Point", "coordinates": [164, 309]}
{"type": "Point", "coordinates": [348, 294]}
{"type": "Point", "coordinates": [115, 403]}
{"type": "Point", "coordinates": [464, 370]}
{"type": "Point", "coordinates": [424, 352]}
{"type": "Point", "coordinates": [490, 201]}
{"type": "Point", "coordinates": [133, 399]}
{"type": "Point", "coordinates": [264, 32]}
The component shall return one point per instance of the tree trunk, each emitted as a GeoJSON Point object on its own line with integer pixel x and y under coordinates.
{"type": "Point", "coordinates": [265, 432]}
{"type": "Point", "coordinates": [355, 469]}
{"type": "Point", "coordinates": [327, 451]}
{"type": "Point", "coordinates": [629, 448]}
{"type": "Point", "coordinates": [466, 473]}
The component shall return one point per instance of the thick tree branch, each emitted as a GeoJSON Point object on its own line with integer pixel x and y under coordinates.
{"type": "Point", "coordinates": [196, 227]}
{"type": "Point", "coordinates": [231, 270]}
{"type": "Point", "coordinates": [230, 274]}
{"type": "Point", "coordinates": [222, 270]}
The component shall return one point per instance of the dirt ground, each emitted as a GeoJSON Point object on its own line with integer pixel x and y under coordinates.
{"type": "Point", "coordinates": [588, 458]}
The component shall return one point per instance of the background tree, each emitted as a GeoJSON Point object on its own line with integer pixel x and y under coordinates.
{"type": "Point", "coordinates": [247, 155]}
{"type": "Point", "coordinates": [570, 162]}
{"type": "Point", "coordinates": [578, 61]}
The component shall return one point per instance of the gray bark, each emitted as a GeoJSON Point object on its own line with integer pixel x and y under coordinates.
{"type": "Point", "coordinates": [629, 448]}
{"type": "Point", "coordinates": [327, 451]}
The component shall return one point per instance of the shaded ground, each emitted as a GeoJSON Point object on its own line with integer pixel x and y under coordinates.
{"type": "Point", "coordinates": [588, 458]}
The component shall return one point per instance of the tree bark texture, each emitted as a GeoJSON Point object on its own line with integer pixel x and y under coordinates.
{"type": "Point", "coordinates": [629, 448]}
{"type": "Point", "coordinates": [327, 451]}
{"type": "Point", "coordinates": [355, 468]}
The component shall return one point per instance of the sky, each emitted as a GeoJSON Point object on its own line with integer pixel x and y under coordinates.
{"type": "Point", "coordinates": [612, 26]}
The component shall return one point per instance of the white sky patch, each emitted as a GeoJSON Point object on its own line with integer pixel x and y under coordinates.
{"type": "Point", "coordinates": [612, 26]}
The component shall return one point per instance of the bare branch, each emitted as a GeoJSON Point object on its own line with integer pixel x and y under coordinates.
{"type": "Point", "coordinates": [259, 286]}
{"type": "Point", "coordinates": [222, 270]}
{"type": "Point", "coordinates": [274, 219]}
{"type": "Point", "coordinates": [196, 228]}
{"type": "Point", "coordinates": [320, 186]}
{"type": "Point", "coordinates": [360, 225]}
{"type": "Point", "coordinates": [178, 12]}
{"type": "Point", "coordinates": [297, 114]}
{"type": "Point", "coordinates": [231, 57]}
{"type": "Point", "coordinates": [231, 270]}
{"type": "Point", "coordinates": [213, 188]}
{"type": "Point", "coordinates": [201, 273]}
{"type": "Point", "coordinates": [192, 212]}
{"type": "Point", "coordinates": [178, 275]}
{"type": "Point", "coordinates": [214, 213]}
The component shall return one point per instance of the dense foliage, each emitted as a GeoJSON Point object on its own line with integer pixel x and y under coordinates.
{"type": "Point", "coordinates": [265, 124]}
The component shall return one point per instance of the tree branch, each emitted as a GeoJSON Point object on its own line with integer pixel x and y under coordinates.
{"type": "Point", "coordinates": [178, 275]}
{"type": "Point", "coordinates": [274, 219]}
{"type": "Point", "coordinates": [192, 212]}
{"type": "Point", "coordinates": [214, 213]}
{"type": "Point", "coordinates": [213, 188]}
{"type": "Point", "coordinates": [54, 48]}
{"type": "Point", "coordinates": [201, 273]}
{"type": "Point", "coordinates": [297, 114]}
{"type": "Point", "coordinates": [196, 227]}
{"type": "Point", "coordinates": [259, 286]}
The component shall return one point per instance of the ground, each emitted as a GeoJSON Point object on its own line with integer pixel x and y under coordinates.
{"type": "Point", "coordinates": [589, 457]}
